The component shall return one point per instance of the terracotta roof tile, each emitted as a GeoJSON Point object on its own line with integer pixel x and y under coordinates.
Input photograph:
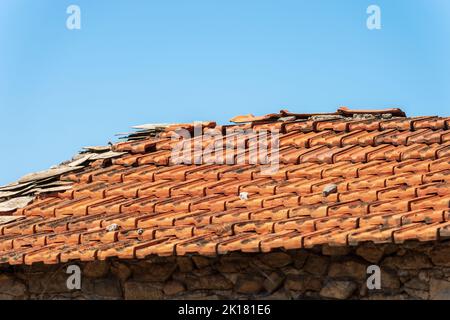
{"type": "Point", "coordinates": [390, 177]}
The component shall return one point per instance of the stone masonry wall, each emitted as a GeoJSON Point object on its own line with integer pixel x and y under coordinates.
{"type": "Point", "coordinates": [409, 271]}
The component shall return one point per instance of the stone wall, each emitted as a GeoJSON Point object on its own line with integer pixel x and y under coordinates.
{"type": "Point", "coordinates": [409, 271]}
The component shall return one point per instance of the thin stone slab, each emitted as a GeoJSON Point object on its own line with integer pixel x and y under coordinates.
{"type": "Point", "coordinates": [15, 203]}
{"type": "Point", "coordinates": [48, 173]}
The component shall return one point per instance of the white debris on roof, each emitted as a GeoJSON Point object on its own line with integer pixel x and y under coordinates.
{"type": "Point", "coordinates": [243, 195]}
{"type": "Point", "coordinates": [112, 227]}
{"type": "Point", "coordinates": [329, 189]}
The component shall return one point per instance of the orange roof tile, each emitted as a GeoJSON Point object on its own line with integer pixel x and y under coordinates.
{"type": "Point", "coordinates": [387, 178]}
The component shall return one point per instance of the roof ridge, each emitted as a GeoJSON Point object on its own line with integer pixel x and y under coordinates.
{"type": "Point", "coordinates": [341, 111]}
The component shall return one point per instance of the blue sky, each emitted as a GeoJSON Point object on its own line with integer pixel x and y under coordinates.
{"type": "Point", "coordinates": [137, 62]}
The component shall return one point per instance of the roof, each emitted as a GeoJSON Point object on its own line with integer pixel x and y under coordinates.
{"type": "Point", "coordinates": [342, 178]}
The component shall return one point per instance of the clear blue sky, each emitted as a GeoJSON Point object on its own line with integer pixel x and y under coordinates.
{"type": "Point", "coordinates": [137, 62]}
